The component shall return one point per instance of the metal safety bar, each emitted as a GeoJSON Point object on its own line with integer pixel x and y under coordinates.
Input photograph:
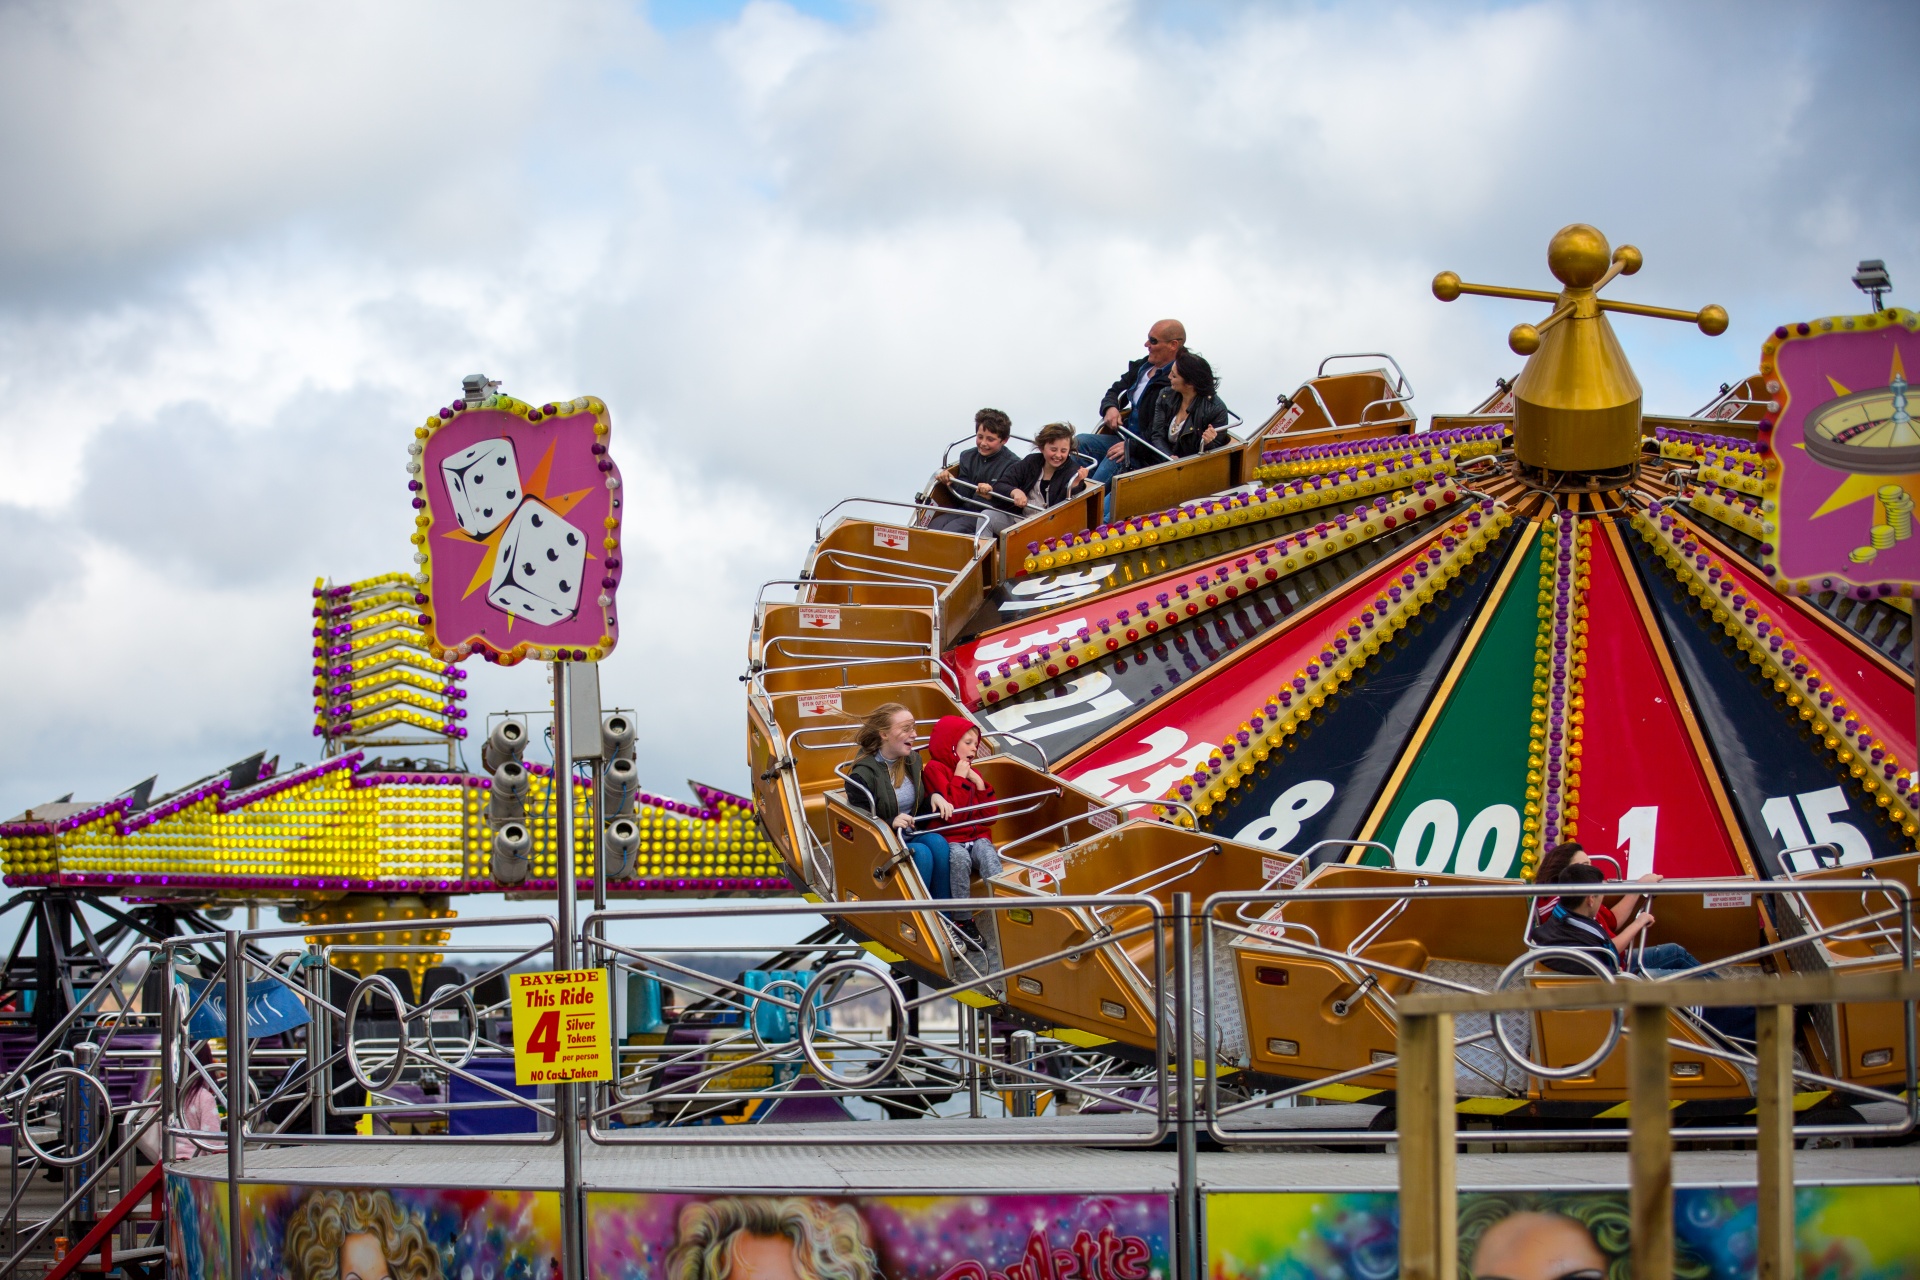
{"type": "Point", "coordinates": [760, 600]}
{"type": "Point", "coordinates": [819, 1045]}
{"type": "Point", "coordinates": [820, 526]}
{"type": "Point", "coordinates": [1211, 911]}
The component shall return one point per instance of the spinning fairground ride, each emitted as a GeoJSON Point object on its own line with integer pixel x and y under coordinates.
{"type": "Point", "coordinates": [1342, 684]}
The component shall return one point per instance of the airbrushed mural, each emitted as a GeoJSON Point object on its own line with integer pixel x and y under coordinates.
{"type": "Point", "coordinates": [333, 1233]}
{"type": "Point", "coordinates": [1844, 1233]}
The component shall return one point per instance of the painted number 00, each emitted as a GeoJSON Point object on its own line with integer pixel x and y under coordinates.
{"type": "Point", "coordinates": [1486, 848]}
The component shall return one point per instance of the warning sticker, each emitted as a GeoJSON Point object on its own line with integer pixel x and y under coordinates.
{"type": "Point", "coordinates": [893, 539]}
{"type": "Point", "coordinates": [562, 1029]}
{"type": "Point", "coordinates": [1103, 820]}
{"type": "Point", "coordinates": [827, 619]}
{"type": "Point", "coordinates": [1288, 418]}
{"type": "Point", "coordinates": [1287, 870]}
{"type": "Point", "coordinates": [820, 704]}
{"type": "Point", "coordinates": [1049, 870]}
{"type": "Point", "coordinates": [1712, 901]}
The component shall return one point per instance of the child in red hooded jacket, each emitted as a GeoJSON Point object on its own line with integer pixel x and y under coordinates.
{"type": "Point", "coordinates": [949, 773]}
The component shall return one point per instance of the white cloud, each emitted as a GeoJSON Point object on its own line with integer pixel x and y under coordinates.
{"type": "Point", "coordinates": [247, 248]}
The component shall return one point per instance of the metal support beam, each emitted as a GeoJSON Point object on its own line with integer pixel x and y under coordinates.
{"type": "Point", "coordinates": [236, 1099]}
{"type": "Point", "coordinates": [1187, 1225]}
{"type": "Point", "coordinates": [566, 1096]}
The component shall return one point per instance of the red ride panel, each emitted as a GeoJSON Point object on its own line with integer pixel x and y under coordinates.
{"type": "Point", "coordinates": [1147, 757]}
{"type": "Point", "coordinates": [1644, 797]}
{"type": "Point", "coordinates": [1874, 695]}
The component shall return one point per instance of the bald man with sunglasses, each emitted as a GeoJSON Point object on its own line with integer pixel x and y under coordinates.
{"type": "Point", "coordinates": [1129, 404]}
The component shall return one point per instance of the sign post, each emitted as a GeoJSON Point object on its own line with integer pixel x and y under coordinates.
{"type": "Point", "coordinates": [517, 514]}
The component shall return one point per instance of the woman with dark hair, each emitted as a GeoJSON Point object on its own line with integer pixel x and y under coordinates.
{"type": "Point", "coordinates": [1553, 870]}
{"type": "Point", "coordinates": [1049, 477]}
{"type": "Point", "coordinates": [885, 781]}
{"type": "Point", "coordinates": [1189, 416]}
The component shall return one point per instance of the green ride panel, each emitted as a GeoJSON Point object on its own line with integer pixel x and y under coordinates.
{"type": "Point", "coordinates": [1460, 809]}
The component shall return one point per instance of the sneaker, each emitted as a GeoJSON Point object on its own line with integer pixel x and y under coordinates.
{"type": "Point", "coordinates": [970, 931]}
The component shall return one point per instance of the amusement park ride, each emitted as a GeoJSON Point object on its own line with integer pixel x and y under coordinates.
{"type": "Point", "coordinates": [1279, 742]}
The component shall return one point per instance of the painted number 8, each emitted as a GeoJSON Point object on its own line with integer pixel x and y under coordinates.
{"type": "Point", "coordinates": [1282, 823]}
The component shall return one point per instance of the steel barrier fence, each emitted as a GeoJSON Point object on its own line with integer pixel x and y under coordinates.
{"type": "Point", "coordinates": [722, 1040]}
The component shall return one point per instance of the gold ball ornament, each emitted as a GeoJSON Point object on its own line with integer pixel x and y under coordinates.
{"type": "Point", "coordinates": [1446, 286]}
{"type": "Point", "coordinates": [1577, 255]}
{"type": "Point", "coordinates": [1629, 259]}
{"type": "Point", "coordinates": [1523, 340]}
{"type": "Point", "coordinates": [1713, 320]}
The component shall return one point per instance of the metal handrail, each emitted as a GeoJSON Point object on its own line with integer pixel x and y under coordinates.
{"type": "Point", "coordinates": [820, 526]}
{"type": "Point", "coordinates": [837, 557]}
{"type": "Point", "coordinates": [760, 599]}
{"type": "Point", "coordinates": [1216, 903]}
{"type": "Point", "coordinates": [1298, 858]}
{"type": "Point", "coordinates": [1403, 388]}
{"type": "Point", "coordinates": [916, 648]}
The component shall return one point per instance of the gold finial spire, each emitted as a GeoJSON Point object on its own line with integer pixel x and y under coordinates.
{"type": "Point", "coordinates": [1576, 405]}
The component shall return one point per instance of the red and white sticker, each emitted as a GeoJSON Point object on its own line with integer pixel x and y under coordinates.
{"type": "Point", "coordinates": [1291, 416]}
{"type": "Point", "coordinates": [1048, 870]}
{"type": "Point", "coordinates": [820, 704]}
{"type": "Point", "coordinates": [886, 535]}
{"type": "Point", "coordinates": [827, 619]}
{"type": "Point", "coordinates": [1721, 901]}
{"type": "Point", "coordinates": [1103, 819]}
{"type": "Point", "coordinates": [1286, 869]}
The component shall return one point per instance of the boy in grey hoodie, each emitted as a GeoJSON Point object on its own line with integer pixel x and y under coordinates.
{"type": "Point", "coordinates": [980, 476]}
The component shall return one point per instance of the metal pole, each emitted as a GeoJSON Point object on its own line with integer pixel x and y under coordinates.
{"type": "Point", "coordinates": [565, 1099]}
{"type": "Point", "coordinates": [1022, 1092]}
{"type": "Point", "coordinates": [236, 1098]}
{"type": "Point", "coordinates": [970, 1032]}
{"type": "Point", "coordinates": [319, 1094]}
{"type": "Point", "coordinates": [1187, 1205]}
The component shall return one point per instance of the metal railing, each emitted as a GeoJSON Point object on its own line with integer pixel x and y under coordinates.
{"type": "Point", "coordinates": [60, 1104]}
{"type": "Point", "coordinates": [1270, 935]}
{"type": "Point", "coordinates": [847, 1031]}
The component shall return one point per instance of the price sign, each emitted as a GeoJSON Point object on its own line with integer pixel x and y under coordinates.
{"type": "Point", "coordinates": [562, 1027]}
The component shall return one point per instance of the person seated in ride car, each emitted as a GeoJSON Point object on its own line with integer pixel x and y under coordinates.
{"type": "Point", "coordinates": [950, 775]}
{"type": "Point", "coordinates": [1049, 477]}
{"type": "Point", "coordinates": [1189, 415]}
{"type": "Point", "coordinates": [1129, 403]}
{"type": "Point", "coordinates": [886, 781]}
{"type": "Point", "coordinates": [979, 474]}
{"type": "Point", "coordinates": [1570, 853]}
{"type": "Point", "coordinates": [1574, 925]}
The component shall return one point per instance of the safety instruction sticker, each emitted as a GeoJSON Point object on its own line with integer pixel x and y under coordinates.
{"type": "Point", "coordinates": [889, 537]}
{"type": "Point", "coordinates": [562, 1029]}
{"type": "Point", "coordinates": [827, 619]}
{"type": "Point", "coordinates": [820, 704]}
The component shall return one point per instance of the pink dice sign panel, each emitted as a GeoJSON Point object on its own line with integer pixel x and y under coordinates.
{"type": "Point", "coordinates": [517, 528]}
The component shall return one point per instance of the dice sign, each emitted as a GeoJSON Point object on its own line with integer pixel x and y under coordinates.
{"type": "Point", "coordinates": [536, 574]}
{"type": "Point", "coordinates": [483, 483]}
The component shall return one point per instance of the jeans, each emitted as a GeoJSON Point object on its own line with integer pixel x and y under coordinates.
{"type": "Point", "coordinates": [930, 852]}
{"type": "Point", "coordinates": [1095, 446]}
{"type": "Point", "coordinates": [1667, 958]}
{"type": "Point", "coordinates": [967, 859]}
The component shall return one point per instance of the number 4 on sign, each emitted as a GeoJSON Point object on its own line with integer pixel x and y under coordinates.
{"type": "Point", "coordinates": [545, 1039]}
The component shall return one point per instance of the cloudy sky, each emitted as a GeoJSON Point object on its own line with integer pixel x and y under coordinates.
{"type": "Point", "coordinates": [245, 247]}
